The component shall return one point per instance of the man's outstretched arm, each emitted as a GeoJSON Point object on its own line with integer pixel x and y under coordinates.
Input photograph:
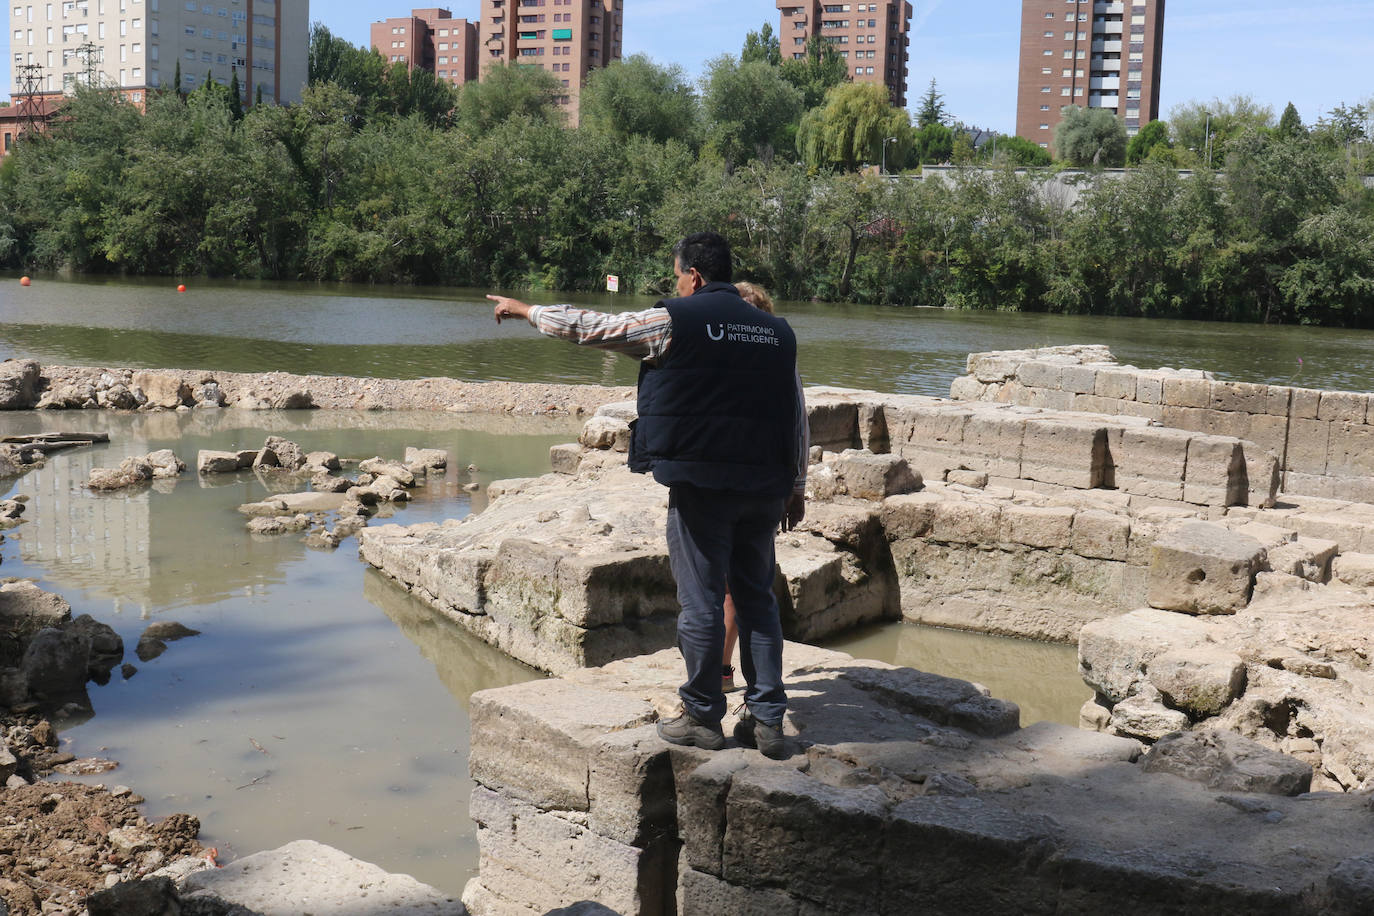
{"type": "Point", "coordinates": [641, 335]}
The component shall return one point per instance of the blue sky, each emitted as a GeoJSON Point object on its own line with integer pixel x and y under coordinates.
{"type": "Point", "coordinates": [1317, 55]}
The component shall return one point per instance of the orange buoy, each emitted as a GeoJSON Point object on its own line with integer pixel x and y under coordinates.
{"type": "Point", "coordinates": [181, 288]}
{"type": "Point", "coordinates": [25, 281]}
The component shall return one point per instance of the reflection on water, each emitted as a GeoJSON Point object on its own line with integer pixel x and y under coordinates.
{"type": "Point", "coordinates": [361, 745]}
{"type": "Point", "coordinates": [408, 332]}
{"type": "Point", "coordinates": [1042, 678]}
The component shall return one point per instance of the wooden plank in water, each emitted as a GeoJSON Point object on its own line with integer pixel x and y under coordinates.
{"type": "Point", "coordinates": [74, 438]}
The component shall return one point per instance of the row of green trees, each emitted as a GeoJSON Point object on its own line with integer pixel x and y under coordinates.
{"type": "Point", "coordinates": [493, 189]}
{"type": "Point", "coordinates": [1199, 135]}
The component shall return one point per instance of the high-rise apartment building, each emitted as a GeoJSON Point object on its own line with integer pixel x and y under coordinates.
{"type": "Point", "coordinates": [1089, 53]}
{"type": "Point", "coordinates": [430, 39]}
{"type": "Point", "coordinates": [871, 37]}
{"type": "Point", "coordinates": [568, 38]}
{"type": "Point", "coordinates": [136, 45]}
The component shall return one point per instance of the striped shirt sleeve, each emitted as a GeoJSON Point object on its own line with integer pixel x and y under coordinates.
{"type": "Point", "coordinates": [641, 335]}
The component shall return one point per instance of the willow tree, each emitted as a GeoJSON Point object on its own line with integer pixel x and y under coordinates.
{"type": "Point", "coordinates": [852, 127]}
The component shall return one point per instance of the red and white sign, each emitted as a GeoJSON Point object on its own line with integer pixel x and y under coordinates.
{"type": "Point", "coordinates": [612, 283]}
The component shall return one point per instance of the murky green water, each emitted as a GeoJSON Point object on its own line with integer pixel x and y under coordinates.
{"type": "Point", "coordinates": [356, 694]}
{"type": "Point", "coordinates": [1042, 678]}
{"type": "Point", "coordinates": [416, 332]}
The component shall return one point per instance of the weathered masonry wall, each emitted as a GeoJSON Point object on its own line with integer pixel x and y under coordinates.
{"type": "Point", "coordinates": [1053, 448]}
{"type": "Point", "coordinates": [1324, 440]}
{"type": "Point", "coordinates": [904, 792]}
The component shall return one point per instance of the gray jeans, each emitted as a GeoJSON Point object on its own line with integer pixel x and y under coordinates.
{"type": "Point", "coordinates": [715, 536]}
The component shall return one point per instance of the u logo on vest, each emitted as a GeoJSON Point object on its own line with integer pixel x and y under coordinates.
{"type": "Point", "coordinates": [713, 335]}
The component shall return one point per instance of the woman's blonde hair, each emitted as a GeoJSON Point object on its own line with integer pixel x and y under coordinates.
{"type": "Point", "coordinates": [755, 295]}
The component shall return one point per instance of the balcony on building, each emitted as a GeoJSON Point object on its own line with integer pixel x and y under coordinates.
{"type": "Point", "coordinates": [1102, 45]}
{"type": "Point", "coordinates": [1112, 83]}
{"type": "Point", "coordinates": [1104, 100]}
{"type": "Point", "coordinates": [1101, 8]}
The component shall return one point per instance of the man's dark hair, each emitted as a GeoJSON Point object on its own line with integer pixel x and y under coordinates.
{"type": "Point", "coordinates": [709, 253]}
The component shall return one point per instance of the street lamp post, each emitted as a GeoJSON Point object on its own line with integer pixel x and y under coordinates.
{"type": "Point", "coordinates": [1207, 137]}
{"type": "Point", "coordinates": [886, 141]}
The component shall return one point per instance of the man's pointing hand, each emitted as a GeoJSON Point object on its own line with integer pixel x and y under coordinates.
{"type": "Point", "coordinates": [509, 308]}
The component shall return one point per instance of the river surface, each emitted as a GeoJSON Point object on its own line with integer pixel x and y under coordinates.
{"type": "Point", "coordinates": [415, 332]}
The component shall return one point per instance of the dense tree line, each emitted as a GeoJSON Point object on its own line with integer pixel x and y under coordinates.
{"type": "Point", "coordinates": [383, 176]}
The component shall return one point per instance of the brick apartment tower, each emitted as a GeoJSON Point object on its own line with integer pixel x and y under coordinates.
{"type": "Point", "coordinates": [569, 38]}
{"type": "Point", "coordinates": [430, 39]}
{"type": "Point", "coordinates": [871, 37]}
{"type": "Point", "coordinates": [138, 43]}
{"type": "Point", "coordinates": [1090, 53]}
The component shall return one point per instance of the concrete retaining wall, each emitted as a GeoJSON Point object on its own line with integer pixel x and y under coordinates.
{"type": "Point", "coordinates": [1324, 440]}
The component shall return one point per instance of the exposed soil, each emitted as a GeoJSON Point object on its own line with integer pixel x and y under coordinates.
{"type": "Point", "coordinates": [62, 841]}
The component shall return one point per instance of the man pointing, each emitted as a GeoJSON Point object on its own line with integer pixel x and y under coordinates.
{"type": "Point", "coordinates": [722, 424]}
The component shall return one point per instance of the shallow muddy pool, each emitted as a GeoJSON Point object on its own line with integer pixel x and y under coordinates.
{"type": "Point", "coordinates": [320, 701]}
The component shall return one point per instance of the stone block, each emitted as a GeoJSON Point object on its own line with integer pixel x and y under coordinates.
{"type": "Point", "coordinates": [873, 434]}
{"type": "Point", "coordinates": [1262, 477]}
{"type": "Point", "coordinates": [1037, 374]}
{"type": "Point", "coordinates": [536, 861]}
{"type": "Point", "coordinates": [1091, 403]}
{"type": "Point", "coordinates": [1050, 399]}
{"type": "Point", "coordinates": [909, 515]}
{"type": "Point", "coordinates": [995, 366]}
{"type": "Point", "coordinates": [1149, 388]}
{"type": "Point", "coordinates": [630, 787]}
{"type": "Point", "coordinates": [19, 383]}
{"type": "Point", "coordinates": [1199, 680]}
{"type": "Point", "coordinates": [1306, 403]}
{"type": "Point", "coordinates": [1065, 452]}
{"type": "Point", "coordinates": [1115, 653]}
{"type": "Point", "coordinates": [1202, 568]}
{"type": "Point", "coordinates": [834, 423]}
{"type": "Point", "coordinates": [606, 433]}
{"type": "Point", "coordinates": [305, 876]}
{"type": "Point", "coordinates": [1356, 569]}
{"type": "Point", "coordinates": [976, 480]}
{"type": "Point", "coordinates": [963, 522]}
{"type": "Point", "coordinates": [1350, 451]}
{"type": "Point", "coordinates": [621, 410]}
{"type": "Point", "coordinates": [534, 741]}
{"type": "Point", "coordinates": [1241, 397]}
{"type": "Point", "coordinates": [24, 607]}
{"type": "Point", "coordinates": [1221, 423]}
{"type": "Point", "coordinates": [1306, 558]}
{"type": "Point", "coordinates": [426, 457]}
{"type": "Point", "coordinates": [703, 893]}
{"type": "Point", "coordinates": [967, 388]}
{"type": "Point", "coordinates": [1036, 526]}
{"type": "Point", "coordinates": [1079, 379]}
{"type": "Point", "coordinates": [1278, 401]}
{"type": "Point", "coordinates": [801, 821]}
{"type": "Point", "coordinates": [1116, 384]}
{"type": "Point", "coordinates": [1187, 392]}
{"type": "Point", "coordinates": [1268, 432]}
{"type": "Point", "coordinates": [993, 442]}
{"type": "Point", "coordinates": [212, 462]}
{"type": "Point", "coordinates": [1343, 406]}
{"type": "Point", "coordinates": [1151, 462]}
{"type": "Point", "coordinates": [1308, 444]}
{"type": "Point", "coordinates": [932, 428]}
{"type": "Point", "coordinates": [1146, 718]}
{"type": "Point", "coordinates": [932, 839]}
{"type": "Point", "coordinates": [1100, 535]}
{"type": "Point", "coordinates": [1299, 484]}
{"type": "Point", "coordinates": [162, 389]}
{"type": "Point", "coordinates": [1215, 474]}
{"type": "Point", "coordinates": [943, 700]}
{"type": "Point", "coordinates": [867, 476]}
{"type": "Point", "coordinates": [1228, 762]}
{"type": "Point", "coordinates": [702, 787]}
{"type": "Point", "coordinates": [380, 467]}
{"type": "Point", "coordinates": [565, 458]}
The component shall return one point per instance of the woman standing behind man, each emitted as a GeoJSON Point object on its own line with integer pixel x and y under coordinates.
{"type": "Point", "coordinates": [758, 297]}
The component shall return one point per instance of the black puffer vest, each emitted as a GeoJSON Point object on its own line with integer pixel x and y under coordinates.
{"type": "Point", "coordinates": [720, 409]}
